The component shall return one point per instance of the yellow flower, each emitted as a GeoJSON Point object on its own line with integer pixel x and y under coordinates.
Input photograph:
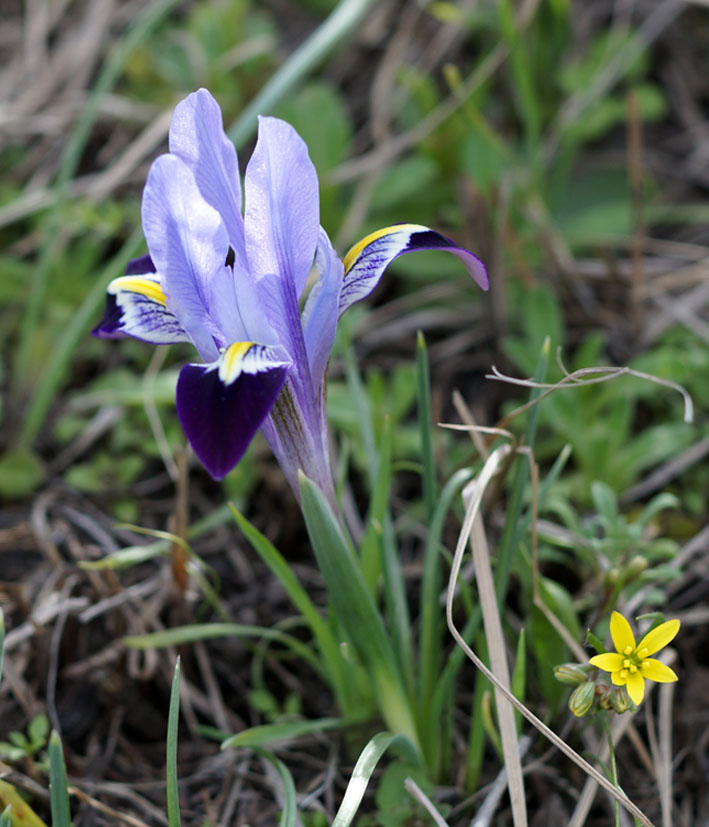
{"type": "Point", "coordinates": [630, 664]}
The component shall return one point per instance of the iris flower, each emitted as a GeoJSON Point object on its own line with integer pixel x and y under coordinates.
{"type": "Point", "coordinates": [235, 287]}
{"type": "Point", "coordinates": [631, 665]}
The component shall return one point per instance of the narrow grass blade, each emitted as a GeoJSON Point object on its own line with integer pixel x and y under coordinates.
{"type": "Point", "coordinates": [334, 664]}
{"type": "Point", "coordinates": [413, 789]}
{"type": "Point", "coordinates": [474, 758]}
{"type": "Point", "coordinates": [519, 674]}
{"type": "Point", "coordinates": [289, 813]}
{"type": "Point", "coordinates": [364, 413]}
{"type": "Point", "coordinates": [512, 529]}
{"type": "Point", "coordinates": [431, 617]}
{"type": "Point", "coordinates": [16, 811]}
{"type": "Point", "coordinates": [2, 641]}
{"type": "Point", "coordinates": [370, 547]}
{"type": "Point", "coordinates": [343, 20]}
{"type": "Point", "coordinates": [397, 607]}
{"type": "Point", "coordinates": [58, 794]}
{"type": "Point", "coordinates": [423, 384]}
{"type": "Point", "coordinates": [362, 773]}
{"type": "Point", "coordinates": [379, 555]}
{"type": "Point", "coordinates": [205, 631]}
{"type": "Point", "coordinates": [356, 610]}
{"type": "Point", "coordinates": [58, 360]}
{"type": "Point", "coordinates": [173, 719]}
{"type": "Point", "coordinates": [523, 75]}
{"type": "Point", "coordinates": [138, 29]}
{"type": "Point", "coordinates": [261, 736]}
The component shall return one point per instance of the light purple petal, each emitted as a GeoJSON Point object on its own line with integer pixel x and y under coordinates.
{"type": "Point", "coordinates": [321, 309]}
{"type": "Point", "coordinates": [222, 405]}
{"type": "Point", "coordinates": [280, 305]}
{"type": "Point", "coordinates": [367, 260]}
{"type": "Point", "coordinates": [188, 244]}
{"type": "Point", "coordinates": [135, 306]}
{"type": "Point", "coordinates": [197, 137]}
{"type": "Point", "coordinates": [281, 219]}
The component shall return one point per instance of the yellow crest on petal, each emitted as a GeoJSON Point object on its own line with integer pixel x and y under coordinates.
{"type": "Point", "coordinates": [148, 287]}
{"type": "Point", "coordinates": [355, 252]}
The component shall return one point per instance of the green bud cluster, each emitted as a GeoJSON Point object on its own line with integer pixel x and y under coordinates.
{"type": "Point", "coordinates": [592, 692]}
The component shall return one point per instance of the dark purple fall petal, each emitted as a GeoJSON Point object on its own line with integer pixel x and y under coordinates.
{"type": "Point", "coordinates": [220, 420]}
{"type": "Point", "coordinates": [141, 266]}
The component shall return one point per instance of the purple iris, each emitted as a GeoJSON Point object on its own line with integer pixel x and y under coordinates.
{"type": "Point", "coordinates": [231, 286]}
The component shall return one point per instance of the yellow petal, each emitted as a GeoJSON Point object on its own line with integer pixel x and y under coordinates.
{"type": "Point", "coordinates": [636, 687]}
{"type": "Point", "coordinates": [659, 637]}
{"type": "Point", "coordinates": [622, 634]}
{"type": "Point", "coordinates": [654, 670]}
{"type": "Point", "coordinates": [609, 662]}
{"type": "Point", "coordinates": [618, 679]}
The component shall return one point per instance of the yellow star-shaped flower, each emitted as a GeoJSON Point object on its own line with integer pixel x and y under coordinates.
{"type": "Point", "coordinates": [631, 665]}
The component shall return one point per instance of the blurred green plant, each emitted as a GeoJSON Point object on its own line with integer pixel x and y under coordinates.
{"type": "Point", "coordinates": [20, 745]}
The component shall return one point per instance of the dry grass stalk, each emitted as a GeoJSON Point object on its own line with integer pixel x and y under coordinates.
{"type": "Point", "coordinates": [489, 469]}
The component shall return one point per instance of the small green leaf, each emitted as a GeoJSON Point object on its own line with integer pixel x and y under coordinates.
{"type": "Point", "coordinates": [259, 736]}
{"type": "Point", "coordinates": [362, 773]}
{"type": "Point", "coordinates": [173, 719]}
{"type": "Point", "coordinates": [58, 793]}
{"type": "Point", "coordinates": [21, 472]}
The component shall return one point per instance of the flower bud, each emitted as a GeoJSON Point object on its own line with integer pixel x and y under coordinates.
{"type": "Point", "coordinates": [610, 580]}
{"type": "Point", "coordinates": [636, 565]}
{"type": "Point", "coordinates": [620, 700]}
{"type": "Point", "coordinates": [572, 674]}
{"type": "Point", "coordinates": [583, 698]}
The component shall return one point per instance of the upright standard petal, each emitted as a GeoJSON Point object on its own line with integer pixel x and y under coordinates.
{"type": "Point", "coordinates": [135, 306]}
{"type": "Point", "coordinates": [281, 218]}
{"type": "Point", "coordinates": [188, 244]}
{"type": "Point", "coordinates": [367, 260]}
{"type": "Point", "coordinates": [320, 312]}
{"type": "Point", "coordinates": [222, 405]}
{"type": "Point", "coordinates": [197, 137]}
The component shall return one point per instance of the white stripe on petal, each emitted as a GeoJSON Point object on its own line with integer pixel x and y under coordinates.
{"type": "Point", "coordinates": [139, 311]}
{"type": "Point", "coordinates": [250, 358]}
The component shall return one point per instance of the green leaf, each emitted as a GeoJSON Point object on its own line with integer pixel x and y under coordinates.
{"type": "Point", "coordinates": [205, 631]}
{"type": "Point", "coordinates": [354, 607]}
{"type": "Point", "coordinates": [21, 472]}
{"type": "Point", "coordinates": [335, 667]}
{"type": "Point", "coordinates": [58, 794]}
{"type": "Point", "coordinates": [2, 641]}
{"type": "Point", "coordinates": [362, 773]}
{"type": "Point", "coordinates": [289, 815]}
{"type": "Point", "coordinates": [173, 718]}
{"type": "Point", "coordinates": [17, 812]}
{"type": "Point", "coordinates": [260, 736]}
